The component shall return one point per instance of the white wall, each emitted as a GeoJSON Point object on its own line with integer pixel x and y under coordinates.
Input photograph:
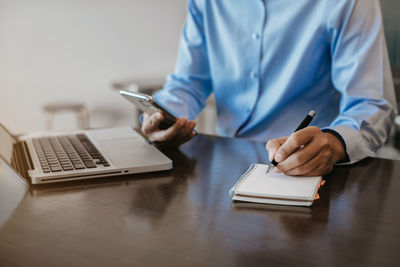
{"type": "Point", "coordinates": [73, 50]}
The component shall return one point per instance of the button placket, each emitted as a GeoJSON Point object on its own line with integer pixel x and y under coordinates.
{"type": "Point", "coordinates": [255, 36]}
{"type": "Point", "coordinates": [253, 60]}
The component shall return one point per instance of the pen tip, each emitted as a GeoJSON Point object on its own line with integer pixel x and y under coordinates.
{"type": "Point", "coordinates": [312, 113]}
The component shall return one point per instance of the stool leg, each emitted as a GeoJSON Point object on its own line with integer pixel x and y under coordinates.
{"type": "Point", "coordinates": [49, 121]}
{"type": "Point", "coordinates": [83, 119]}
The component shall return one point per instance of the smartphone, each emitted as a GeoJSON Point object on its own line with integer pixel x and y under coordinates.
{"type": "Point", "coordinates": [149, 105]}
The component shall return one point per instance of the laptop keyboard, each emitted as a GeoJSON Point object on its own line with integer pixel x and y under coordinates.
{"type": "Point", "coordinates": [67, 153]}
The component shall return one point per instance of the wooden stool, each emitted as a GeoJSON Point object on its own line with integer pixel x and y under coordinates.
{"type": "Point", "coordinates": [79, 109]}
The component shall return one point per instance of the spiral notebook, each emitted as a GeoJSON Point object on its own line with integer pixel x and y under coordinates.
{"type": "Point", "coordinates": [260, 185]}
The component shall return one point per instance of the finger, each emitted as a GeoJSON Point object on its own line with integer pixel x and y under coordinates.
{"type": "Point", "coordinates": [177, 134]}
{"type": "Point", "coordinates": [151, 122]}
{"type": "Point", "coordinates": [154, 120]}
{"type": "Point", "coordinates": [319, 165]}
{"type": "Point", "coordinates": [189, 128]}
{"type": "Point", "coordinates": [186, 133]}
{"type": "Point", "coordinates": [300, 156]}
{"type": "Point", "coordinates": [169, 134]}
{"type": "Point", "coordinates": [192, 124]}
{"type": "Point", "coordinates": [144, 126]}
{"type": "Point", "coordinates": [295, 141]}
{"type": "Point", "coordinates": [186, 138]}
{"type": "Point", "coordinates": [307, 167]}
{"type": "Point", "coordinates": [273, 145]}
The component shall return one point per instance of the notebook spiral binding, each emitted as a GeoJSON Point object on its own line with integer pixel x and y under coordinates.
{"type": "Point", "coordinates": [242, 179]}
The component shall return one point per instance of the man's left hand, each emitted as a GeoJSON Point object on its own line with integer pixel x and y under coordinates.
{"type": "Point", "coordinates": [307, 152]}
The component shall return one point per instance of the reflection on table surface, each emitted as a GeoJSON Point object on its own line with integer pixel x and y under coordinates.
{"type": "Point", "coordinates": [185, 216]}
{"type": "Point", "coordinates": [12, 191]}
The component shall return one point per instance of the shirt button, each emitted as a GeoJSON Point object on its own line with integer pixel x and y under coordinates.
{"type": "Point", "coordinates": [255, 36]}
{"type": "Point", "coordinates": [253, 75]}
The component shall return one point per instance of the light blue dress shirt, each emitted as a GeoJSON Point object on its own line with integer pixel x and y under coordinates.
{"type": "Point", "coordinates": [270, 62]}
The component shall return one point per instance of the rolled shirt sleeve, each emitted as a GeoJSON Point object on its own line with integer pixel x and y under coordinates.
{"type": "Point", "coordinates": [361, 73]}
{"type": "Point", "coordinates": [186, 90]}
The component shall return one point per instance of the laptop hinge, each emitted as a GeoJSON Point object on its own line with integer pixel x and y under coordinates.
{"type": "Point", "coordinates": [27, 155]}
{"type": "Point", "coordinates": [21, 159]}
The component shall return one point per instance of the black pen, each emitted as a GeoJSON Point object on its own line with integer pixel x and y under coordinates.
{"type": "Point", "coordinates": [302, 125]}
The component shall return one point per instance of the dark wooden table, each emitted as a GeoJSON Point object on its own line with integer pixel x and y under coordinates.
{"type": "Point", "coordinates": [185, 217]}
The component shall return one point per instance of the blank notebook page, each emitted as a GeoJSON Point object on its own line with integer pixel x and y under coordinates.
{"type": "Point", "coordinates": [278, 185]}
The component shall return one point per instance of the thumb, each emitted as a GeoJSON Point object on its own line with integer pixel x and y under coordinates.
{"type": "Point", "coordinates": [273, 145]}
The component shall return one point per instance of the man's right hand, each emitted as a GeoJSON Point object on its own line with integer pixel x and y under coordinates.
{"type": "Point", "coordinates": [177, 134]}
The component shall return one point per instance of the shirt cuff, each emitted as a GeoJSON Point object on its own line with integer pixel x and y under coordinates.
{"type": "Point", "coordinates": [353, 142]}
{"type": "Point", "coordinates": [141, 118]}
{"type": "Point", "coordinates": [338, 136]}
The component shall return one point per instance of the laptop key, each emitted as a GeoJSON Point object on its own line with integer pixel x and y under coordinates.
{"type": "Point", "coordinates": [90, 164]}
{"type": "Point", "coordinates": [67, 168]}
{"type": "Point", "coordinates": [46, 167]}
{"type": "Point", "coordinates": [79, 166]}
{"type": "Point", "coordinates": [55, 168]}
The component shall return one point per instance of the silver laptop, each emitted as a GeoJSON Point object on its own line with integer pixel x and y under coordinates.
{"type": "Point", "coordinates": [48, 158]}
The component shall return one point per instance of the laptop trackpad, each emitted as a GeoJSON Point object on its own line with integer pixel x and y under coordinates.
{"type": "Point", "coordinates": [131, 152]}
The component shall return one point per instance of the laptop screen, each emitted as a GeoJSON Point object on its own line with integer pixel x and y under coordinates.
{"type": "Point", "coordinates": [7, 142]}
